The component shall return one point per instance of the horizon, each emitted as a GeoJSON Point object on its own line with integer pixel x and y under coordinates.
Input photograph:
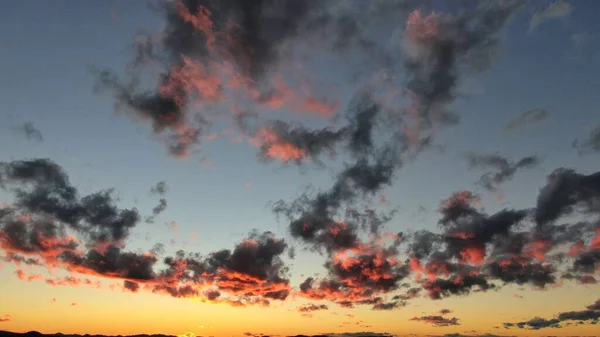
{"type": "Point", "coordinates": [300, 168]}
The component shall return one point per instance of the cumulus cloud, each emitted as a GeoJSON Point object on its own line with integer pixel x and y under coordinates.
{"type": "Point", "coordinates": [35, 230]}
{"type": "Point", "coordinates": [50, 224]}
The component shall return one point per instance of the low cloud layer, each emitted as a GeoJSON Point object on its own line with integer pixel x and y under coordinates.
{"type": "Point", "coordinates": [589, 316]}
{"type": "Point", "coordinates": [50, 224]}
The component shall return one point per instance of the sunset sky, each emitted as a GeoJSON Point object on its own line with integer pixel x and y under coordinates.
{"type": "Point", "coordinates": [265, 167]}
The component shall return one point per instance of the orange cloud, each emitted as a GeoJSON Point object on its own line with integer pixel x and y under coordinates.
{"type": "Point", "coordinates": [276, 147]}
{"type": "Point", "coordinates": [22, 275]}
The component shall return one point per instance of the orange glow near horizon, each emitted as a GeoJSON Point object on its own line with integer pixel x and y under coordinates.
{"type": "Point", "coordinates": [41, 307]}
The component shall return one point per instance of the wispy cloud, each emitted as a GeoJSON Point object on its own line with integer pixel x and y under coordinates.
{"type": "Point", "coordinates": [31, 132]}
{"type": "Point", "coordinates": [526, 119]}
{"type": "Point", "coordinates": [558, 9]}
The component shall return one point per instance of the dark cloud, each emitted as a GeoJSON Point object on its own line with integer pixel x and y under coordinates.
{"type": "Point", "coordinates": [526, 119]}
{"type": "Point", "coordinates": [565, 191]}
{"type": "Point", "coordinates": [31, 132]}
{"type": "Point", "coordinates": [35, 231]}
{"type": "Point", "coordinates": [521, 271]}
{"type": "Point", "coordinates": [388, 305]}
{"type": "Point", "coordinates": [445, 311]}
{"type": "Point", "coordinates": [209, 48]}
{"type": "Point", "coordinates": [162, 205]}
{"type": "Point", "coordinates": [423, 243]}
{"type": "Point", "coordinates": [312, 307]}
{"type": "Point", "coordinates": [42, 188]}
{"type": "Point", "coordinates": [535, 324]}
{"type": "Point", "coordinates": [594, 306]}
{"type": "Point", "coordinates": [591, 316]}
{"type": "Point", "coordinates": [588, 261]}
{"type": "Point", "coordinates": [473, 251]}
{"type": "Point", "coordinates": [581, 279]}
{"type": "Point", "coordinates": [131, 286]}
{"type": "Point", "coordinates": [437, 321]}
{"type": "Point", "coordinates": [165, 109]}
{"type": "Point", "coordinates": [260, 31]}
{"type": "Point", "coordinates": [502, 169]}
{"type": "Point", "coordinates": [18, 259]}
{"type": "Point", "coordinates": [278, 140]}
{"type": "Point", "coordinates": [456, 285]}
{"type": "Point", "coordinates": [437, 48]}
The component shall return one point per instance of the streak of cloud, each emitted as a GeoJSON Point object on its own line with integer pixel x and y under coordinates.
{"type": "Point", "coordinates": [558, 9]}
{"type": "Point", "coordinates": [503, 169]}
{"type": "Point", "coordinates": [527, 118]}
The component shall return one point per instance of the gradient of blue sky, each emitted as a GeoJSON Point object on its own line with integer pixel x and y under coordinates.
{"type": "Point", "coordinates": [48, 46]}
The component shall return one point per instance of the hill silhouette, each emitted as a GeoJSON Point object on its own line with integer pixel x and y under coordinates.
{"type": "Point", "coordinates": [39, 334]}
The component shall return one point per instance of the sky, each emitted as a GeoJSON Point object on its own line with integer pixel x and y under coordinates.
{"type": "Point", "coordinates": [271, 168]}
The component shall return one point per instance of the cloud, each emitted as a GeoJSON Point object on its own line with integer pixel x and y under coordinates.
{"type": "Point", "coordinates": [162, 205]}
{"type": "Point", "coordinates": [160, 188]}
{"type": "Point", "coordinates": [475, 251]}
{"type": "Point", "coordinates": [590, 144]}
{"type": "Point", "coordinates": [312, 307]}
{"type": "Point", "coordinates": [226, 54]}
{"type": "Point", "coordinates": [437, 321]}
{"type": "Point", "coordinates": [558, 9]}
{"type": "Point", "coordinates": [526, 119]}
{"type": "Point", "coordinates": [164, 109]}
{"type": "Point", "coordinates": [502, 168]}
{"type": "Point", "coordinates": [445, 311]}
{"type": "Point", "coordinates": [591, 315]}
{"type": "Point", "coordinates": [31, 132]}
{"type": "Point", "coordinates": [565, 191]}
{"type": "Point", "coordinates": [252, 273]}
{"type": "Point", "coordinates": [42, 187]}
{"type": "Point", "coordinates": [5, 318]}
{"type": "Point", "coordinates": [438, 47]}
{"type": "Point", "coordinates": [280, 141]}
{"type": "Point", "coordinates": [51, 224]}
